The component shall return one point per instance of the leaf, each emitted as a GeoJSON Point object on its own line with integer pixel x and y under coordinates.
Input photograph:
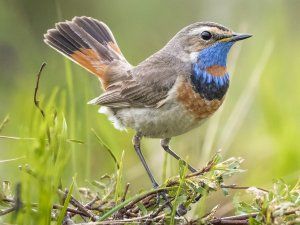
{"type": "Point", "coordinates": [244, 207]}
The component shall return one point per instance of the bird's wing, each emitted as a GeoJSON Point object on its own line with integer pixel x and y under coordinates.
{"type": "Point", "coordinates": [148, 87]}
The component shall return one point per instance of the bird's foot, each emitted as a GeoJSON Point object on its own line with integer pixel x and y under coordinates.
{"type": "Point", "coordinates": [162, 195]}
{"type": "Point", "coordinates": [180, 211]}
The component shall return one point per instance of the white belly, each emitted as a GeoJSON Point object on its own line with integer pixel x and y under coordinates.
{"type": "Point", "coordinates": [170, 120]}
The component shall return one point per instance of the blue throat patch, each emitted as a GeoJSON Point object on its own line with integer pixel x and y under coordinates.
{"type": "Point", "coordinates": [207, 85]}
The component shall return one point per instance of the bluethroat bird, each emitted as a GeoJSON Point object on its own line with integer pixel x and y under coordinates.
{"type": "Point", "coordinates": [171, 92]}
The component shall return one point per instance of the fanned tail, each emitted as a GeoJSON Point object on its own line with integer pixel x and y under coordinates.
{"type": "Point", "coordinates": [89, 43]}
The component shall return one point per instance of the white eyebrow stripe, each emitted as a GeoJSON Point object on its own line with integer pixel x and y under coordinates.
{"type": "Point", "coordinates": [199, 30]}
{"type": "Point", "coordinates": [215, 30]}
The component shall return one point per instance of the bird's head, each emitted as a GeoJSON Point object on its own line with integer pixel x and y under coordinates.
{"type": "Point", "coordinates": [206, 46]}
{"type": "Point", "coordinates": [208, 42]}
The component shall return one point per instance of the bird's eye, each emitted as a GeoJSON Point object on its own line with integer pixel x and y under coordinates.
{"type": "Point", "coordinates": [205, 35]}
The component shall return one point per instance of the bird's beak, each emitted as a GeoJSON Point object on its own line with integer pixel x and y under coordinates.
{"type": "Point", "coordinates": [236, 37]}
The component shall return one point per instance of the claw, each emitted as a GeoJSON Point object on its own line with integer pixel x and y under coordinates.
{"type": "Point", "coordinates": [181, 210]}
{"type": "Point", "coordinates": [164, 196]}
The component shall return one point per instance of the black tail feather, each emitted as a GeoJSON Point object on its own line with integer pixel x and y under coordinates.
{"type": "Point", "coordinates": [83, 33]}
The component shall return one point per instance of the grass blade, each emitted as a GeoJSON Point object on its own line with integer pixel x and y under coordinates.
{"type": "Point", "coordinates": [121, 205]}
{"type": "Point", "coordinates": [182, 172]}
{"type": "Point", "coordinates": [119, 178]}
{"type": "Point", "coordinates": [4, 122]}
{"type": "Point", "coordinates": [107, 148]}
{"type": "Point", "coordinates": [11, 160]}
{"type": "Point", "coordinates": [66, 203]}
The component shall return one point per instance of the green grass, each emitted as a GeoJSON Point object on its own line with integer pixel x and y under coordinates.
{"type": "Point", "coordinates": [259, 121]}
{"type": "Point", "coordinates": [45, 161]}
{"type": "Point", "coordinates": [63, 211]}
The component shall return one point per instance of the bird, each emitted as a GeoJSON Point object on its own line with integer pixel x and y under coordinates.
{"type": "Point", "coordinates": [168, 94]}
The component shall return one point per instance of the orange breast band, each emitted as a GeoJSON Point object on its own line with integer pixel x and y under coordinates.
{"type": "Point", "coordinates": [216, 70]}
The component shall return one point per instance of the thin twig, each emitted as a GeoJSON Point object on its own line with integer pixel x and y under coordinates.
{"type": "Point", "coordinates": [91, 203]}
{"type": "Point", "coordinates": [234, 186]}
{"type": "Point", "coordinates": [81, 207]}
{"type": "Point", "coordinates": [230, 222]}
{"type": "Point", "coordinates": [239, 217]}
{"type": "Point", "coordinates": [125, 192]}
{"type": "Point", "coordinates": [55, 206]}
{"type": "Point", "coordinates": [71, 210]}
{"type": "Point", "coordinates": [35, 98]}
{"type": "Point", "coordinates": [36, 89]}
{"type": "Point", "coordinates": [205, 169]}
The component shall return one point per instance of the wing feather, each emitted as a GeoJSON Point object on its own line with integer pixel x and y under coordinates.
{"type": "Point", "coordinates": [145, 88]}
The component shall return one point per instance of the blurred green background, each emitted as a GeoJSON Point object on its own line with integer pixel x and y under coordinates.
{"type": "Point", "coordinates": [260, 120]}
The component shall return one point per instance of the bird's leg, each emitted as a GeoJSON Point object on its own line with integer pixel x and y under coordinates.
{"type": "Point", "coordinates": [165, 144]}
{"type": "Point", "coordinates": [137, 146]}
